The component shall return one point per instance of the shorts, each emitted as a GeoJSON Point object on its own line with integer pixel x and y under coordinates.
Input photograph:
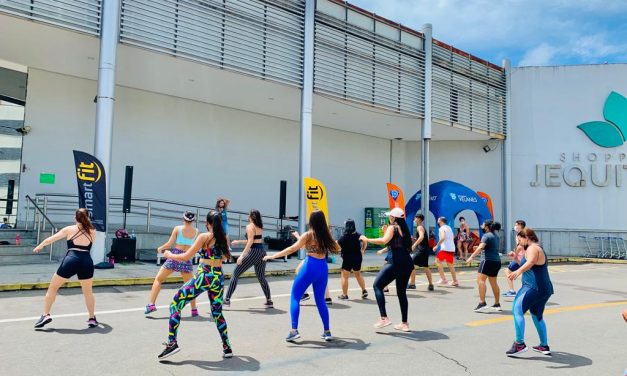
{"type": "Point", "coordinates": [489, 268]}
{"type": "Point", "coordinates": [76, 263]}
{"type": "Point", "coordinates": [178, 266]}
{"type": "Point", "coordinates": [351, 263]}
{"type": "Point", "coordinates": [421, 257]}
{"type": "Point", "coordinates": [446, 256]}
{"type": "Point", "coordinates": [513, 266]}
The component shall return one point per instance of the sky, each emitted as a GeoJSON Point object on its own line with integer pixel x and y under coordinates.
{"type": "Point", "coordinates": [528, 32]}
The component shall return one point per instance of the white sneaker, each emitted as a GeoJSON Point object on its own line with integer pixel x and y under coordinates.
{"type": "Point", "coordinates": [442, 282]}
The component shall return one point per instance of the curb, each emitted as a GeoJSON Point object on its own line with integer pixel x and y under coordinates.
{"type": "Point", "coordinates": [142, 281]}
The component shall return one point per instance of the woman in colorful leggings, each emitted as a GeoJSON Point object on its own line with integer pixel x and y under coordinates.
{"type": "Point", "coordinates": [398, 239]}
{"type": "Point", "coordinates": [319, 242]}
{"type": "Point", "coordinates": [252, 255]}
{"type": "Point", "coordinates": [209, 278]}
{"type": "Point", "coordinates": [181, 239]}
{"type": "Point", "coordinates": [533, 295]}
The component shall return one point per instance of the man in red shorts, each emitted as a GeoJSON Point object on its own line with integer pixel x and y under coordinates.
{"type": "Point", "coordinates": [447, 253]}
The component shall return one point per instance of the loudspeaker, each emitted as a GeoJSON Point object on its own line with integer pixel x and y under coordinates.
{"type": "Point", "coordinates": [282, 199]}
{"type": "Point", "coordinates": [128, 187]}
{"type": "Point", "coordinates": [10, 193]}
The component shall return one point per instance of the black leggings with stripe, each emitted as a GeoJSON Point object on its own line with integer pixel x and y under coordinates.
{"type": "Point", "coordinates": [253, 258]}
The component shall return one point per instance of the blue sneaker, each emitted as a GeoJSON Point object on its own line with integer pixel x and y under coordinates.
{"type": "Point", "coordinates": [327, 336]}
{"type": "Point", "coordinates": [509, 294]}
{"type": "Point", "coordinates": [291, 336]}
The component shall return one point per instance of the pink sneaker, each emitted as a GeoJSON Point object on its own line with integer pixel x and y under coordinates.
{"type": "Point", "coordinates": [402, 327]}
{"type": "Point", "coordinates": [454, 284]}
{"type": "Point", "coordinates": [383, 323]}
{"type": "Point", "coordinates": [442, 282]}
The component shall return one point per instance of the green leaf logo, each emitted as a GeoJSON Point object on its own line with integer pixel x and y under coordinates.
{"type": "Point", "coordinates": [612, 132]}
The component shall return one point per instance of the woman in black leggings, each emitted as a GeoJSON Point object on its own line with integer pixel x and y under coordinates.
{"type": "Point", "coordinates": [398, 239]}
{"type": "Point", "coordinates": [252, 255]}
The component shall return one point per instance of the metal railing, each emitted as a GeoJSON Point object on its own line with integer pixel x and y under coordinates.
{"type": "Point", "coordinates": [39, 221]}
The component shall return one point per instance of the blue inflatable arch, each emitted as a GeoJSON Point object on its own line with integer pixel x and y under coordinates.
{"type": "Point", "coordinates": [448, 199]}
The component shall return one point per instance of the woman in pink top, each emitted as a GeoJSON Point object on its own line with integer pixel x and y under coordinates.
{"type": "Point", "coordinates": [516, 255]}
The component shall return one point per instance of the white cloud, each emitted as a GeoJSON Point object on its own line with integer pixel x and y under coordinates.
{"type": "Point", "coordinates": [541, 55]}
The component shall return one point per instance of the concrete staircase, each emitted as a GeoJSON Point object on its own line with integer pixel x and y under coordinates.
{"type": "Point", "coordinates": [22, 254]}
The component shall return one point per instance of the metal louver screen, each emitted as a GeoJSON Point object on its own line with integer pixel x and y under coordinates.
{"type": "Point", "coordinates": [79, 15]}
{"type": "Point", "coordinates": [468, 93]}
{"type": "Point", "coordinates": [262, 38]}
{"type": "Point", "coordinates": [356, 64]}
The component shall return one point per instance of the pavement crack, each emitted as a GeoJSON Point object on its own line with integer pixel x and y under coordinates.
{"type": "Point", "coordinates": [451, 359]}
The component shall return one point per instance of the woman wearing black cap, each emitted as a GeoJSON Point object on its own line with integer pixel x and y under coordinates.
{"type": "Point", "coordinates": [352, 253]}
{"type": "Point", "coordinates": [182, 238]}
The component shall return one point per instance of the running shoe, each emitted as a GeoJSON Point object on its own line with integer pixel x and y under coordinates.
{"type": "Point", "coordinates": [430, 288]}
{"type": "Point", "coordinates": [327, 336]}
{"type": "Point", "coordinates": [343, 297]}
{"type": "Point", "coordinates": [411, 287]}
{"type": "Point", "coordinates": [227, 354]}
{"type": "Point", "coordinates": [509, 294]}
{"type": "Point", "coordinates": [171, 348]}
{"type": "Point", "coordinates": [386, 290]}
{"type": "Point", "coordinates": [442, 282]}
{"type": "Point", "coordinates": [43, 320]}
{"type": "Point", "coordinates": [226, 303]}
{"type": "Point", "coordinates": [149, 309]}
{"type": "Point", "coordinates": [482, 308]}
{"type": "Point", "coordinates": [268, 304]}
{"type": "Point", "coordinates": [454, 283]}
{"type": "Point", "coordinates": [364, 294]}
{"type": "Point", "coordinates": [542, 349]}
{"type": "Point", "coordinates": [328, 301]}
{"type": "Point", "coordinates": [517, 348]}
{"type": "Point", "coordinates": [305, 297]}
{"type": "Point", "coordinates": [195, 312]}
{"type": "Point", "coordinates": [402, 327]}
{"type": "Point", "coordinates": [291, 336]}
{"type": "Point", "coordinates": [92, 322]}
{"type": "Point", "coordinates": [382, 323]}
{"type": "Point", "coordinates": [496, 308]}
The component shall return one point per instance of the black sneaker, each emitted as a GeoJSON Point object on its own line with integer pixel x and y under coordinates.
{"type": "Point", "coordinates": [92, 322]}
{"type": "Point", "coordinates": [305, 297]}
{"type": "Point", "coordinates": [43, 320]}
{"type": "Point", "coordinates": [482, 307]}
{"type": "Point", "coordinates": [227, 354]}
{"type": "Point", "coordinates": [411, 287]}
{"type": "Point", "coordinates": [542, 349]}
{"type": "Point", "coordinates": [496, 308]}
{"type": "Point", "coordinates": [171, 348]}
{"type": "Point", "coordinates": [386, 290]}
{"type": "Point", "coordinates": [226, 303]}
{"type": "Point", "coordinates": [364, 294]}
{"type": "Point", "coordinates": [328, 301]}
{"type": "Point", "coordinates": [430, 287]}
{"type": "Point", "coordinates": [269, 304]}
{"type": "Point", "coordinates": [517, 348]}
{"type": "Point", "coordinates": [343, 297]}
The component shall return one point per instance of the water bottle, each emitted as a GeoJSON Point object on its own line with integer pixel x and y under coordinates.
{"type": "Point", "coordinates": [133, 234]}
{"type": "Point", "coordinates": [18, 239]}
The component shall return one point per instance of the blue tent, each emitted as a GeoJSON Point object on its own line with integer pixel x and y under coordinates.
{"type": "Point", "coordinates": [448, 199]}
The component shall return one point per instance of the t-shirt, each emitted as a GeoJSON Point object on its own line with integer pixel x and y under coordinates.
{"type": "Point", "coordinates": [448, 245]}
{"type": "Point", "coordinates": [350, 244]}
{"type": "Point", "coordinates": [491, 250]}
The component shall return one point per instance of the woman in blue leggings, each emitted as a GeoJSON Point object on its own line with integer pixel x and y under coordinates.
{"type": "Point", "coordinates": [318, 242]}
{"type": "Point", "coordinates": [534, 294]}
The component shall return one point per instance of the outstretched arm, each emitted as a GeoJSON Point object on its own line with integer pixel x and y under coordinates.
{"type": "Point", "coordinates": [387, 236]}
{"type": "Point", "coordinates": [189, 253]}
{"type": "Point", "coordinates": [170, 242]}
{"type": "Point", "coordinates": [300, 243]}
{"type": "Point", "coordinates": [49, 240]}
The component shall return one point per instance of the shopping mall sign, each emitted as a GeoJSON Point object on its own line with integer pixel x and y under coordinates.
{"type": "Point", "coordinates": [577, 169]}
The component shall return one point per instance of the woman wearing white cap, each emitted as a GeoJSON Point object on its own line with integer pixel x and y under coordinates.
{"type": "Point", "coordinates": [398, 239]}
{"type": "Point", "coordinates": [182, 238]}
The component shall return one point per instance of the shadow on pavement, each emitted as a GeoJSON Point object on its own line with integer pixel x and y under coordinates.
{"type": "Point", "coordinates": [184, 318]}
{"type": "Point", "coordinates": [237, 364]}
{"type": "Point", "coordinates": [337, 343]}
{"type": "Point", "coordinates": [100, 329]}
{"type": "Point", "coordinates": [418, 336]}
{"type": "Point", "coordinates": [562, 360]}
{"type": "Point", "coordinates": [364, 301]}
{"type": "Point", "coordinates": [258, 311]}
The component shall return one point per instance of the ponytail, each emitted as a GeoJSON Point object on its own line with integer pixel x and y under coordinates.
{"type": "Point", "coordinates": [82, 217]}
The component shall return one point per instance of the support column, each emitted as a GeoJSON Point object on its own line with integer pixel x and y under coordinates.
{"type": "Point", "coordinates": [427, 30]}
{"type": "Point", "coordinates": [507, 160]}
{"type": "Point", "coordinates": [306, 107]}
{"type": "Point", "coordinates": [109, 36]}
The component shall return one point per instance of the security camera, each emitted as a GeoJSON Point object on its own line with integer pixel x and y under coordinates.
{"type": "Point", "coordinates": [487, 148]}
{"type": "Point", "coordinates": [24, 130]}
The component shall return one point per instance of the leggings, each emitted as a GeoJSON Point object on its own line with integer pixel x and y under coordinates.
{"type": "Point", "coordinates": [254, 257]}
{"type": "Point", "coordinates": [389, 273]}
{"type": "Point", "coordinates": [313, 272]}
{"type": "Point", "coordinates": [531, 300]}
{"type": "Point", "coordinates": [208, 279]}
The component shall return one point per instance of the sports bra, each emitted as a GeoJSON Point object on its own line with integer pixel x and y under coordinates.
{"type": "Point", "coordinates": [76, 247]}
{"type": "Point", "coordinates": [182, 240]}
{"type": "Point", "coordinates": [211, 253]}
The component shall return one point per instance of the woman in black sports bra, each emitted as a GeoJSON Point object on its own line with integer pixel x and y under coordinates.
{"type": "Point", "coordinates": [77, 261]}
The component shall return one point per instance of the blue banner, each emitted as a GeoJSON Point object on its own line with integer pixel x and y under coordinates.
{"type": "Point", "coordinates": [92, 188]}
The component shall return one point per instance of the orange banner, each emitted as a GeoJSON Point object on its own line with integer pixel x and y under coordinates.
{"type": "Point", "coordinates": [395, 196]}
{"type": "Point", "coordinates": [488, 201]}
